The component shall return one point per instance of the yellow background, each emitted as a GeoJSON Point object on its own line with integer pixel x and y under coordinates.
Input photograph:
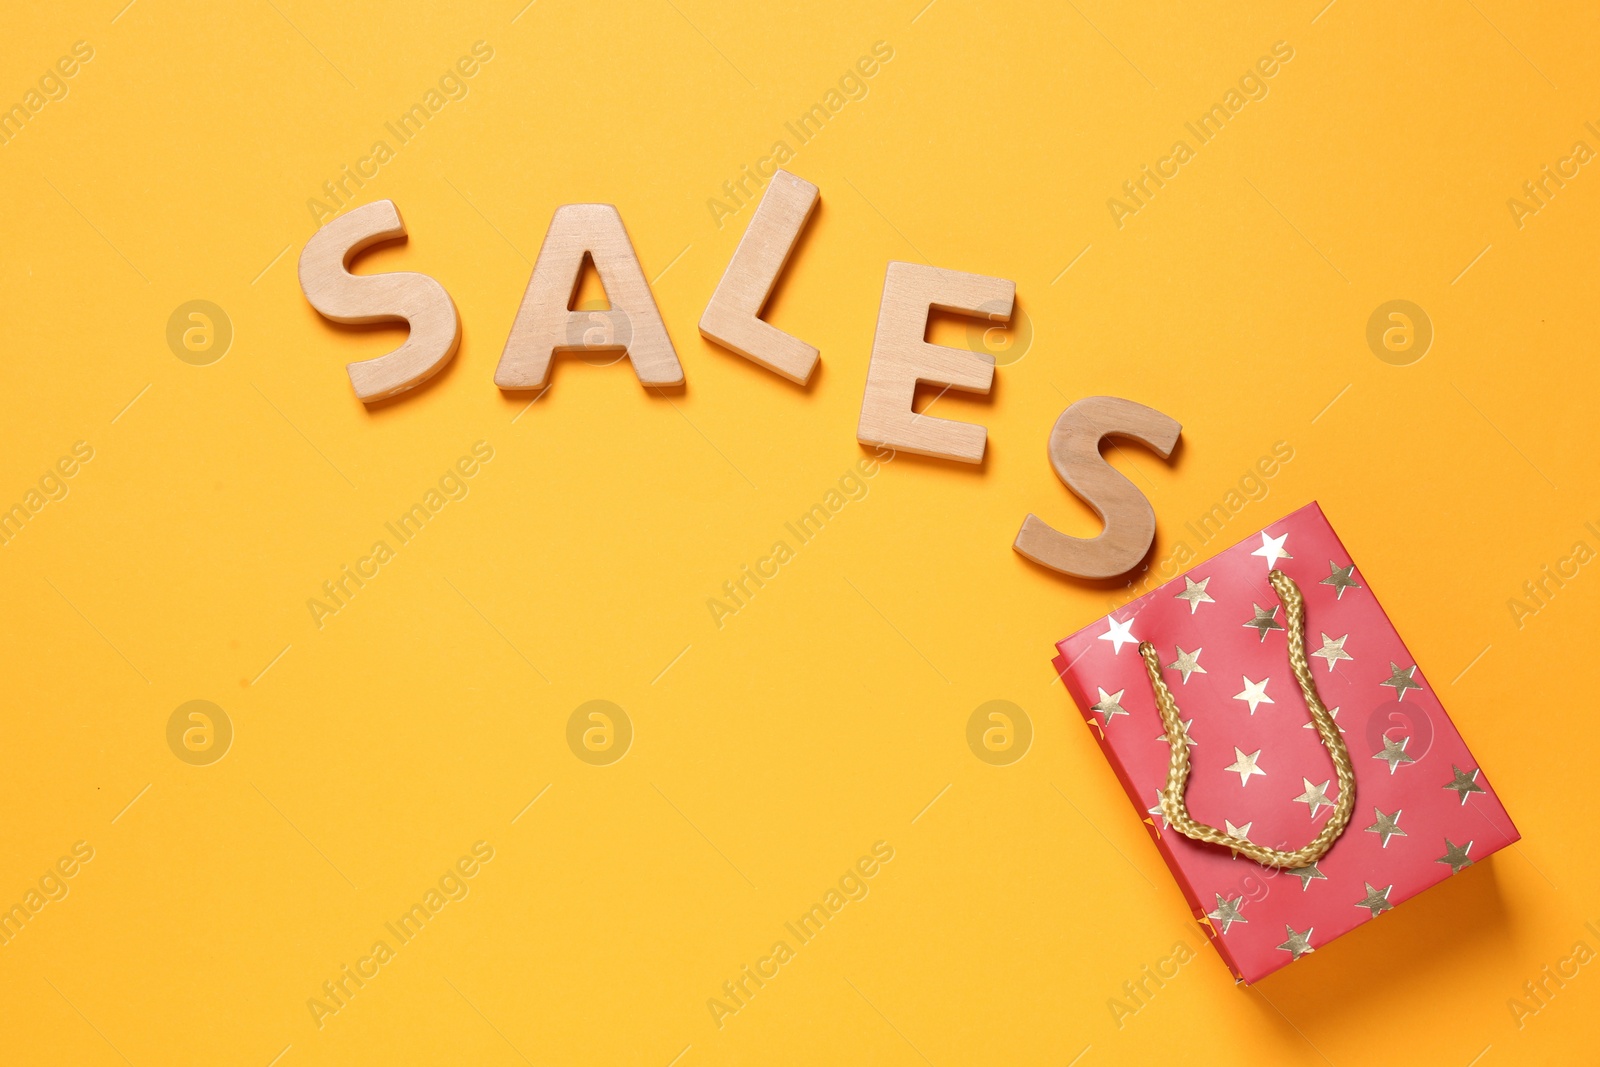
{"type": "Point", "coordinates": [828, 714]}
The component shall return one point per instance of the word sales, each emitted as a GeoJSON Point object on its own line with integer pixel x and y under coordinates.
{"type": "Point", "coordinates": [901, 359]}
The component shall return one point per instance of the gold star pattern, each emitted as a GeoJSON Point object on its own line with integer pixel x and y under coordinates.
{"type": "Point", "coordinates": [1298, 944]}
{"type": "Point", "coordinates": [1241, 833]}
{"type": "Point", "coordinates": [1316, 796]}
{"type": "Point", "coordinates": [1246, 765]}
{"type": "Point", "coordinates": [1340, 578]}
{"type": "Point", "coordinates": [1195, 593]}
{"type": "Point", "coordinates": [1400, 679]}
{"type": "Point", "coordinates": [1464, 783]}
{"type": "Point", "coordinates": [1307, 875]}
{"type": "Point", "coordinates": [1227, 912]}
{"type": "Point", "coordinates": [1272, 549]}
{"type": "Point", "coordinates": [1377, 900]}
{"type": "Point", "coordinates": [1264, 622]}
{"type": "Point", "coordinates": [1333, 713]}
{"type": "Point", "coordinates": [1455, 855]}
{"type": "Point", "coordinates": [1119, 634]}
{"type": "Point", "coordinates": [1188, 663]}
{"type": "Point", "coordinates": [1333, 651]}
{"type": "Point", "coordinates": [1254, 693]}
{"type": "Point", "coordinates": [1158, 811]}
{"type": "Point", "coordinates": [1185, 723]}
{"type": "Point", "coordinates": [1387, 826]}
{"type": "Point", "coordinates": [1394, 752]}
{"type": "Point", "coordinates": [1109, 704]}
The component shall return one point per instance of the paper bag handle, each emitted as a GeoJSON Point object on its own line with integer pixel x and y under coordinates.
{"type": "Point", "coordinates": [1172, 805]}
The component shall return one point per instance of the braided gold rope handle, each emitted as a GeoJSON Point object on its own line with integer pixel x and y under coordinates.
{"type": "Point", "coordinates": [1172, 805]}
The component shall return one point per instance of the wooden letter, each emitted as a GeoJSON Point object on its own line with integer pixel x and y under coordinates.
{"type": "Point", "coordinates": [901, 359]}
{"type": "Point", "coordinates": [403, 296]}
{"type": "Point", "coordinates": [733, 317]}
{"type": "Point", "coordinates": [1075, 452]}
{"type": "Point", "coordinates": [545, 325]}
